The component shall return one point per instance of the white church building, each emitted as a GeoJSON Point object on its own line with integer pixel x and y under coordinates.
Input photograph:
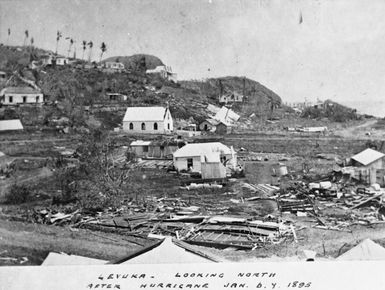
{"type": "Point", "coordinates": [149, 120]}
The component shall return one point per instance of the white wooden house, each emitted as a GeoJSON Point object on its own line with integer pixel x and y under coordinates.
{"type": "Point", "coordinates": [192, 156]}
{"type": "Point", "coordinates": [153, 120]}
{"type": "Point", "coordinates": [21, 95]}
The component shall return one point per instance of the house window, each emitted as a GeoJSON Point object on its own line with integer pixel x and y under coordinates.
{"type": "Point", "coordinates": [143, 126]}
{"type": "Point", "coordinates": [223, 159]}
{"type": "Point", "coordinates": [155, 126]}
{"type": "Point", "coordinates": [145, 149]}
{"type": "Point", "coordinates": [37, 99]}
{"type": "Point", "coordinates": [168, 126]}
{"type": "Point", "coordinates": [190, 162]}
{"type": "Point", "coordinates": [205, 127]}
{"type": "Point", "coordinates": [10, 99]}
{"type": "Point", "coordinates": [24, 99]}
{"type": "Point", "coordinates": [131, 126]}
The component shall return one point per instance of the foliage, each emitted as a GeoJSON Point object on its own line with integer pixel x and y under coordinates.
{"type": "Point", "coordinates": [17, 194]}
{"type": "Point", "coordinates": [332, 111]}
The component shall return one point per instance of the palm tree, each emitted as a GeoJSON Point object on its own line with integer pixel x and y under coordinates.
{"type": "Point", "coordinates": [58, 36]}
{"type": "Point", "coordinates": [90, 45]}
{"type": "Point", "coordinates": [31, 46]}
{"type": "Point", "coordinates": [26, 33]}
{"type": "Point", "coordinates": [273, 104]}
{"type": "Point", "coordinates": [9, 33]}
{"type": "Point", "coordinates": [74, 42]}
{"type": "Point", "coordinates": [84, 43]}
{"type": "Point", "coordinates": [103, 48]}
{"type": "Point", "coordinates": [70, 45]}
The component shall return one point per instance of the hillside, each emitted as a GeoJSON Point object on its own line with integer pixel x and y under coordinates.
{"type": "Point", "coordinates": [80, 94]}
{"type": "Point", "coordinates": [137, 61]}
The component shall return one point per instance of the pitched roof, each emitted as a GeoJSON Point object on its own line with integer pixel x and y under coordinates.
{"type": "Point", "coordinates": [140, 143]}
{"type": "Point", "coordinates": [165, 251]}
{"type": "Point", "coordinates": [368, 156]}
{"type": "Point", "coordinates": [366, 250]}
{"type": "Point", "coordinates": [144, 114]}
{"type": "Point", "coordinates": [54, 259]}
{"type": "Point", "coordinates": [169, 251]}
{"type": "Point", "coordinates": [212, 121]}
{"type": "Point", "coordinates": [9, 125]}
{"type": "Point", "coordinates": [198, 149]}
{"type": "Point", "coordinates": [20, 90]}
{"type": "Point", "coordinates": [226, 115]}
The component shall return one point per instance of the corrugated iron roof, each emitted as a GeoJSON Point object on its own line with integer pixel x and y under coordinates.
{"type": "Point", "coordinates": [20, 90]}
{"type": "Point", "coordinates": [140, 143]}
{"type": "Point", "coordinates": [198, 149]}
{"type": "Point", "coordinates": [212, 122]}
{"type": "Point", "coordinates": [144, 114]}
{"type": "Point", "coordinates": [8, 125]}
{"type": "Point", "coordinates": [226, 115]}
{"type": "Point", "coordinates": [368, 156]}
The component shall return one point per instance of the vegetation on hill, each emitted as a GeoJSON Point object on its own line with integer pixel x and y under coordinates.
{"type": "Point", "coordinates": [332, 111]}
{"type": "Point", "coordinates": [71, 88]}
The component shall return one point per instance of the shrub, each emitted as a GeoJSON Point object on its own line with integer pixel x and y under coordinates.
{"type": "Point", "coordinates": [17, 194]}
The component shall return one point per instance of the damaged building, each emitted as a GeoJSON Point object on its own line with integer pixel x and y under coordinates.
{"type": "Point", "coordinates": [154, 149]}
{"type": "Point", "coordinates": [209, 159]}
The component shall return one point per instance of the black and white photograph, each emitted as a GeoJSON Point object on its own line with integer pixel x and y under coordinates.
{"type": "Point", "coordinates": [180, 132]}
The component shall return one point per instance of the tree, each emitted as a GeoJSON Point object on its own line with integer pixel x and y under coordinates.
{"type": "Point", "coordinates": [103, 48]}
{"type": "Point", "coordinates": [9, 34]}
{"type": "Point", "coordinates": [26, 35]}
{"type": "Point", "coordinates": [70, 46]}
{"type": "Point", "coordinates": [84, 46]}
{"type": "Point", "coordinates": [273, 104]}
{"type": "Point", "coordinates": [90, 46]}
{"type": "Point", "coordinates": [58, 36]}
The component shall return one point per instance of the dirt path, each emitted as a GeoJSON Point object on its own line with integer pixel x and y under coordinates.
{"type": "Point", "coordinates": [35, 241]}
{"type": "Point", "coordinates": [359, 131]}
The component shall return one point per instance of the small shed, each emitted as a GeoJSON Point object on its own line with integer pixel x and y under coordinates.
{"type": "Point", "coordinates": [154, 149]}
{"type": "Point", "coordinates": [208, 125]}
{"type": "Point", "coordinates": [140, 148]}
{"type": "Point", "coordinates": [117, 97]}
{"type": "Point", "coordinates": [223, 128]}
{"type": "Point", "coordinates": [3, 75]}
{"type": "Point", "coordinates": [367, 163]}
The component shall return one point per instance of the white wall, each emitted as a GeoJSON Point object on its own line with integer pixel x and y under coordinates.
{"type": "Point", "coordinates": [18, 98]}
{"type": "Point", "coordinates": [149, 127]}
{"type": "Point", "coordinates": [180, 163]}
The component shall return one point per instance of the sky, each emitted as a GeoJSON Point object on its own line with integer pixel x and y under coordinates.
{"type": "Point", "coordinates": [326, 49]}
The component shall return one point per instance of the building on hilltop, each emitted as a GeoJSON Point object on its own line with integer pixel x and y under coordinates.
{"type": "Point", "coordinates": [114, 66]}
{"type": "Point", "coordinates": [150, 120]}
{"type": "Point", "coordinates": [229, 98]}
{"type": "Point", "coordinates": [165, 72]}
{"type": "Point", "coordinates": [21, 95]}
{"type": "Point", "coordinates": [61, 60]}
